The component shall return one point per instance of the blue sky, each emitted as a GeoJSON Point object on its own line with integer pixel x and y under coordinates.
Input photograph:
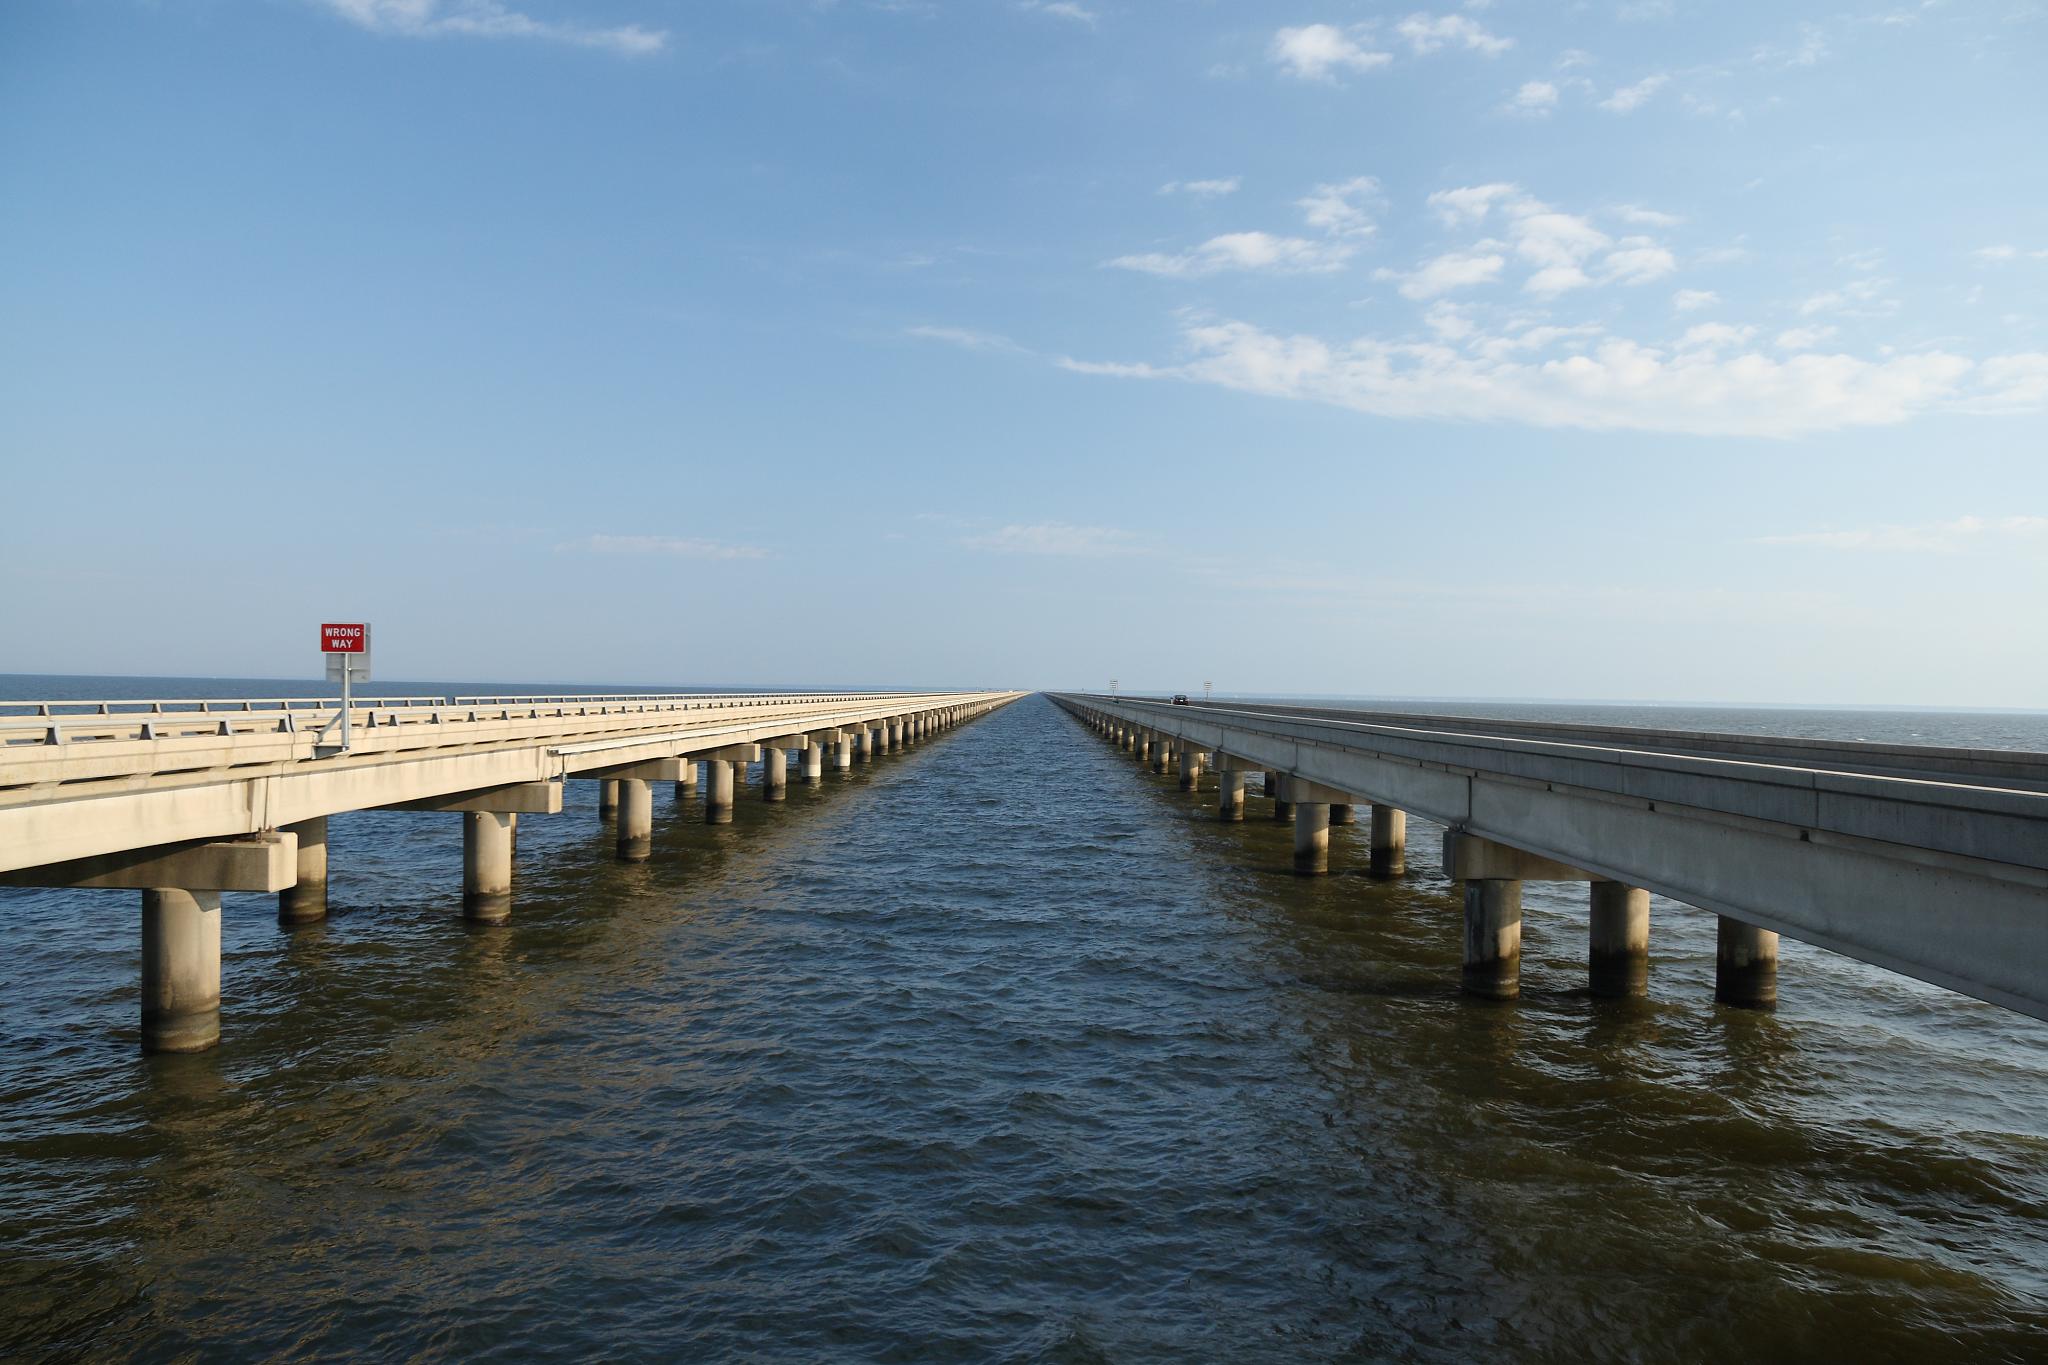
{"type": "Point", "coordinates": [1627, 349]}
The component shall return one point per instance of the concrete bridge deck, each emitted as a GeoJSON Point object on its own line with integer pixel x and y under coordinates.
{"type": "Point", "coordinates": [1931, 862]}
{"type": "Point", "coordinates": [183, 800]}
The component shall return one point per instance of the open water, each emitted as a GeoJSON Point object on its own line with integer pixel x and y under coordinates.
{"type": "Point", "coordinates": [1003, 1050]}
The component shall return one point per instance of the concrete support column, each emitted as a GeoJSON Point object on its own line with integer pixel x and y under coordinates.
{"type": "Point", "coordinates": [608, 798]}
{"type": "Point", "coordinates": [1493, 939]}
{"type": "Point", "coordinates": [1311, 838]}
{"type": "Point", "coordinates": [774, 774]}
{"type": "Point", "coordinates": [1272, 783]}
{"type": "Point", "coordinates": [1283, 807]}
{"type": "Point", "coordinates": [180, 970]}
{"type": "Point", "coordinates": [842, 753]}
{"type": "Point", "coordinates": [305, 902]}
{"type": "Point", "coordinates": [487, 866]}
{"type": "Point", "coordinates": [1746, 966]}
{"type": "Point", "coordinates": [717, 791]}
{"type": "Point", "coordinates": [814, 764]}
{"type": "Point", "coordinates": [1229, 794]}
{"type": "Point", "coordinates": [1162, 756]}
{"type": "Point", "coordinates": [636, 820]}
{"type": "Point", "coordinates": [891, 736]}
{"type": "Point", "coordinates": [686, 787]}
{"type": "Point", "coordinates": [1191, 770]}
{"type": "Point", "coordinates": [1618, 942]}
{"type": "Point", "coordinates": [1389, 841]}
{"type": "Point", "coordinates": [864, 746]}
{"type": "Point", "coordinates": [1342, 814]}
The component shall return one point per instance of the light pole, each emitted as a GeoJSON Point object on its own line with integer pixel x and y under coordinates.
{"type": "Point", "coordinates": [1207, 689]}
{"type": "Point", "coordinates": [1112, 687]}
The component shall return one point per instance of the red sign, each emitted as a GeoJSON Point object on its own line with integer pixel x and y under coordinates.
{"type": "Point", "coordinates": [343, 638]}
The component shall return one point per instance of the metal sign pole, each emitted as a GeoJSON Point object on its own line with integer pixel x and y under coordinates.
{"type": "Point", "coordinates": [348, 668]}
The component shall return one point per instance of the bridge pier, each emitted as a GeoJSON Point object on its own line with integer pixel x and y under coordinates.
{"type": "Point", "coordinates": [1191, 770]}
{"type": "Point", "coordinates": [686, 785]}
{"type": "Point", "coordinates": [636, 820]}
{"type": "Point", "coordinates": [774, 773]}
{"type": "Point", "coordinates": [180, 970]}
{"type": "Point", "coordinates": [1746, 965]}
{"type": "Point", "coordinates": [1493, 938]}
{"type": "Point", "coordinates": [1342, 813]}
{"type": "Point", "coordinates": [487, 866]}
{"type": "Point", "coordinates": [814, 764]}
{"type": "Point", "coordinates": [608, 798]}
{"type": "Point", "coordinates": [1618, 940]}
{"type": "Point", "coordinates": [1311, 838]}
{"type": "Point", "coordinates": [1283, 804]}
{"type": "Point", "coordinates": [1389, 841]}
{"type": "Point", "coordinates": [842, 753]}
{"type": "Point", "coordinates": [1229, 793]}
{"type": "Point", "coordinates": [864, 745]}
{"type": "Point", "coordinates": [305, 901]}
{"type": "Point", "coordinates": [717, 791]}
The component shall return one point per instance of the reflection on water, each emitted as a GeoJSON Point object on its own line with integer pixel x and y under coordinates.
{"type": "Point", "coordinates": [999, 1049]}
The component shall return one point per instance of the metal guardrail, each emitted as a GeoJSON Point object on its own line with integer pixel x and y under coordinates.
{"type": "Point", "coordinates": [49, 723]}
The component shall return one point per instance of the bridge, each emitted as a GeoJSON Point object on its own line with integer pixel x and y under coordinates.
{"type": "Point", "coordinates": [183, 800]}
{"type": "Point", "coordinates": [1930, 862]}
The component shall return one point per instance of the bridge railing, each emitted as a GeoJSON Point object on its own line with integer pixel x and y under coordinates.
{"type": "Point", "coordinates": [52, 723]}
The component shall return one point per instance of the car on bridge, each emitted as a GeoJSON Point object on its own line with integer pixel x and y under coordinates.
{"type": "Point", "coordinates": [1181, 699]}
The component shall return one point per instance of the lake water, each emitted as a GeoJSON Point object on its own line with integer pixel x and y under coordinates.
{"type": "Point", "coordinates": [999, 1049]}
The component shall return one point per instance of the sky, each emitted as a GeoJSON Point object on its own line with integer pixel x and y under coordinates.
{"type": "Point", "coordinates": [1629, 349]}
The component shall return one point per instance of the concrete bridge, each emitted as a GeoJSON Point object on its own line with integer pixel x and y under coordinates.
{"type": "Point", "coordinates": [1931, 862]}
{"type": "Point", "coordinates": [183, 800]}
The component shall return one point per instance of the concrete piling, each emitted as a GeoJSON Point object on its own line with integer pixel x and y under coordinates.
{"type": "Point", "coordinates": [180, 970]}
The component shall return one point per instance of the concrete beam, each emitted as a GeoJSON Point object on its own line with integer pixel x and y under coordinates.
{"type": "Point", "coordinates": [1467, 858]}
{"type": "Point", "coordinates": [733, 753]}
{"type": "Point", "coordinates": [520, 798]}
{"type": "Point", "coordinates": [653, 770]}
{"type": "Point", "coordinates": [263, 862]}
{"type": "Point", "coordinates": [800, 741]}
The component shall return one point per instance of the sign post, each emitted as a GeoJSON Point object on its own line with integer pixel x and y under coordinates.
{"type": "Point", "coordinates": [346, 647]}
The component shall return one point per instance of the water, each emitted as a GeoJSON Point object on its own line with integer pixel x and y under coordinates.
{"type": "Point", "coordinates": [997, 1050]}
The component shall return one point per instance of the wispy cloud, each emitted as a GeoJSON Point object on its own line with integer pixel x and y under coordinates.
{"type": "Point", "coordinates": [1534, 99]}
{"type": "Point", "coordinates": [1708, 383]}
{"type": "Point", "coordinates": [1692, 300]}
{"type": "Point", "coordinates": [1061, 9]}
{"type": "Point", "coordinates": [1204, 189]}
{"type": "Point", "coordinates": [1320, 52]}
{"type": "Point", "coordinates": [1337, 210]}
{"type": "Point", "coordinates": [679, 547]}
{"type": "Point", "coordinates": [1627, 99]}
{"type": "Point", "coordinates": [1241, 251]}
{"type": "Point", "coordinates": [1059, 538]}
{"type": "Point", "coordinates": [1937, 537]}
{"type": "Point", "coordinates": [489, 19]}
{"type": "Point", "coordinates": [966, 338]}
{"type": "Point", "coordinates": [1426, 33]}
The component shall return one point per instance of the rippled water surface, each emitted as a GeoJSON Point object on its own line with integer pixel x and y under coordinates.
{"type": "Point", "coordinates": [999, 1049]}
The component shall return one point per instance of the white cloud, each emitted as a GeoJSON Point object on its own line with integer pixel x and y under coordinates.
{"type": "Point", "coordinates": [1426, 33]}
{"type": "Point", "coordinates": [1938, 537]}
{"type": "Point", "coordinates": [489, 19]}
{"type": "Point", "coordinates": [1533, 100]}
{"type": "Point", "coordinates": [1714, 336]}
{"type": "Point", "coordinates": [1803, 338]}
{"type": "Point", "coordinates": [1602, 384]}
{"type": "Point", "coordinates": [681, 547]}
{"type": "Point", "coordinates": [1259, 251]}
{"type": "Point", "coordinates": [1857, 299]}
{"type": "Point", "coordinates": [1638, 261]}
{"type": "Point", "coordinates": [1060, 9]}
{"type": "Point", "coordinates": [1203, 189]}
{"type": "Point", "coordinates": [1318, 52]}
{"type": "Point", "coordinates": [1628, 98]}
{"type": "Point", "coordinates": [1460, 207]}
{"type": "Point", "coordinates": [1452, 270]}
{"type": "Point", "coordinates": [1335, 209]}
{"type": "Point", "coordinates": [1692, 300]}
{"type": "Point", "coordinates": [1645, 217]}
{"type": "Point", "coordinates": [2005, 251]}
{"type": "Point", "coordinates": [966, 338]}
{"type": "Point", "coordinates": [1059, 538]}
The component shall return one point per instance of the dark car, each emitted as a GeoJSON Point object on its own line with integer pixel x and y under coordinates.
{"type": "Point", "coordinates": [1181, 699]}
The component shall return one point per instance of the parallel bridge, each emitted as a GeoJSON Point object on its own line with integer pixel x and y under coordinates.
{"type": "Point", "coordinates": [1928, 861]}
{"type": "Point", "coordinates": [183, 800]}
